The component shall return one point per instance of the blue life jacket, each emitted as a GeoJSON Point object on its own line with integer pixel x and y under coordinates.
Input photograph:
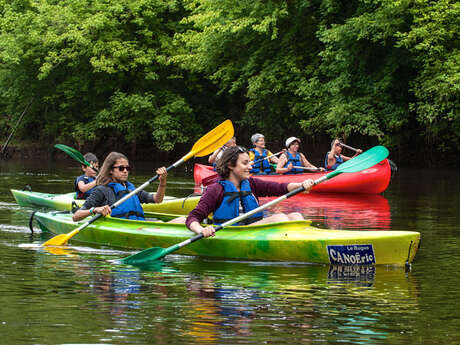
{"type": "Point", "coordinates": [262, 167]}
{"type": "Point", "coordinates": [130, 208]}
{"type": "Point", "coordinates": [78, 193]}
{"type": "Point", "coordinates": [338, 161]}
{"type": "Point", "coordinates": [295, 162]}
{"type": "Point", "coordinates": [230, 206]}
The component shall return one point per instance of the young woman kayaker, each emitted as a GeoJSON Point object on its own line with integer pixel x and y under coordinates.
{"type": "Point", "coordinates": [292, 158]}
{"type": "Point", "coordinates": [112, 184]}
{"type": "Point", "coordinates": [335, 157]}
{"type": "Point", "coordinates": [238, 193]}
{"type": "Point", "coordinates": [86, 182]}
{"type": "Point", "coordinates": [214, 157]}
{"type": "Point", "coordinates": [257, 155]}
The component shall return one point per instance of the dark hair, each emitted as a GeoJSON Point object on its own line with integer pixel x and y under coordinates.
{"type": "Point", "coordinates": [90, 157]}
{"type": "Point", "coordinates": [333, 141]}
{"type": "Point", "coordinates": [105, 176]}
{"type": "Point", "coordinates": [229, 157]}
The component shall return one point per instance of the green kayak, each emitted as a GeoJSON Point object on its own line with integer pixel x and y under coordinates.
{"type": "Point", "coordinates": [67, 201]}
{"type": "Point", "coordinates": [294, 241]}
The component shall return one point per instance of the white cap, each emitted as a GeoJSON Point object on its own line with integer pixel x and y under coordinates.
{"type": "Point", "coordinates": [256, 137]}
{"type": "Point", "coordinates": [290, 140]}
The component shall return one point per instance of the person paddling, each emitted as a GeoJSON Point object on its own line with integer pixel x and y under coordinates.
{"type": "Point", "coordinates": [215, 156]}
{"type": "Point", "coordinates": [112, 184]}
{"type": "Point", "coordinates": [85, 183]}
{"type": "Point", "coordinates": [335, 157]}
{"type": "Point", "coordinates": [258, 154]}
{"type": "Point", "coordinates": [236, 193]}
{"type": "Point", "coordinates": [292, 158]}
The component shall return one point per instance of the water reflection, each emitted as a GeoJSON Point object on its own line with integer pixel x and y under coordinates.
{"type": "Point", "coordinates": [81, 297]}
{"type": "Point", "coordinates": [340, 211]}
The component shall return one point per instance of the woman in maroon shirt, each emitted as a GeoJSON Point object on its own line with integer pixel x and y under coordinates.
{"type": "Point", "coordinates": [234, 166]}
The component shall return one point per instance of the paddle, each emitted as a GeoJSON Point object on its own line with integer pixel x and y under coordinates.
{"type": "Point", "coordinates": [393, 165]}
{"type": "Point", "coordinates": [268, 157]}
{"type": "Point", "coordinates": [75, 155]}
{"type": "Point", "coordinates": [204, 146]}
{"type": "Point", "coordinates": [307, 168]}
{"type": "Point", "coordinates": [359, 163]}
{"type": "Point", "coordinates": [348, 147]}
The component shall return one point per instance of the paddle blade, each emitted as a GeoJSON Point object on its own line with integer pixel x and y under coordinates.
{"type": "Point", "coordinates": [212, 140]}
{"type": "Point", "coordinates": [72, 153]}
{"type": "Point", "coordinates": [59, 240]}
{"type": "Point", "coordinates": [145, 256]}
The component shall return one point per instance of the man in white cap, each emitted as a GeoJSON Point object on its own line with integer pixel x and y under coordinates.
{"type": "Point", "coordinates": [261, 156]}
{"type": "Point", "coordinates": [292, 161]}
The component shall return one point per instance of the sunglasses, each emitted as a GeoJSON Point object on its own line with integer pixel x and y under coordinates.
{"type": "Point", "coordinates": [122, 167]}
{"type": "Point", "coordinates": [242, 149]}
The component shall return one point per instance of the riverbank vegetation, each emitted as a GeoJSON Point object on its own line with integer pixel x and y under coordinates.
{"type": "Point", "coordinates": [107, 73]}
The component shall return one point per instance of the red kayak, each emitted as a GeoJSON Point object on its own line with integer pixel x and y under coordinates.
{"type": "Point", "coordinates": [370, 181]}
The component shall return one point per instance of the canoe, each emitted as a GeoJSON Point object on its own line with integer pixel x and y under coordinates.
{"type": "Point", "coordinates": [293, 241]}
{"type": "Point", "coordinates": [369, 181]}
{"type": "Point", "coordinates": [60, 202]}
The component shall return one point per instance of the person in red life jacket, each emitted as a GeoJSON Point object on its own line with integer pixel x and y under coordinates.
{"type": "Point", "coordinates": [112, 184]}
{"type": "Point", "coordinates": [292, 158]}
{"type": "Point", "coordinates": [85, 183]}
{"type": "Point", "coordinates": [214, 157]}
{"type": "Point", "coordinates": [237, 193]}
{"type": "Point", "coordinates": [335, 157]}
{"type": "Point", "coordinates": [257, 155]}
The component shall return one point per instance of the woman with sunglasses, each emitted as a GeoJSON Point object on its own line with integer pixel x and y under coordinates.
{"type": "Point", "coordinates": [335, 157]}
{"type": "Point", "coordinates": [237, 193]}
{"type": "Point", "coordinates": [112, 184]}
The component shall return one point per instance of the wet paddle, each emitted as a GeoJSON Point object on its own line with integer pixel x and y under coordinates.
{"type": "Point", "coordinates": [204, 146]}
{"type": "Point", "coordinates": [75, 155]}
{"type": "Point", "coordinates": [363, 161]}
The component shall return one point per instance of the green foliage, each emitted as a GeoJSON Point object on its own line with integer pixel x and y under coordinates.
{"type": "Point", "coordinates": [165, 71]}
{"type": "Point", "coordinates": [98, 69]}
{"type": "Point", "coordinates": [435, 43]}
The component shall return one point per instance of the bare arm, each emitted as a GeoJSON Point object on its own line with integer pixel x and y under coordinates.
{"type": "Point", "coordinates": [81, 214]}
{"type": "Point", "coordinates": [159, 195]}
{"type": "Point", "coordinates": [213, 157]}
{"type": "Point", "coordinates": [281, 163]}
{"type": "Point", "coordinates": [84, 187]}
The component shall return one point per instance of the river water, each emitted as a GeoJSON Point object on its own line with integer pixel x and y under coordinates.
{"type": "Point", "coordinates": [82, 298]}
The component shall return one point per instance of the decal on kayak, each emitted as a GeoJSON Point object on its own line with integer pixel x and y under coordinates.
{"type": "Point", "coordinates": [351, 254]}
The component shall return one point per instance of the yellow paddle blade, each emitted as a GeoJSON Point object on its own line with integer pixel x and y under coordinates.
{"type": "Point", "coordinates": [212, 140]}
{"type": "Point", "coordinates": [61, 240]}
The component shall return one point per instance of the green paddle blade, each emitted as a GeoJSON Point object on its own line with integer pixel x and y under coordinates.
{"type": "Point", "coordinates": [148, 255]}
{"type": "Point", "coordinates": [73, 153]}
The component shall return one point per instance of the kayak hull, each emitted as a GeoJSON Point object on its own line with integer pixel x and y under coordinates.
{"type": "Point", "coordinates": [294, 241]}
{"type": "Point", "coordinates": [61, 202]}
{"type": "Point", "coordinates": [67, 201]}
{"type": "Point", "coordinates": [373, 180]}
